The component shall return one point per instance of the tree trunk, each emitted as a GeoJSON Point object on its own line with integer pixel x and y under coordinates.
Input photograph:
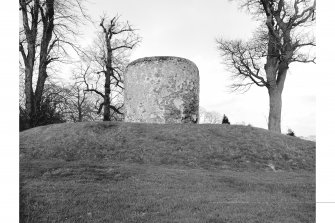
{"type": "Point", "coordinates": [29, 56]}
{"type": "Point", "coordinates": [33, 99]}
{"type": "Point", "coordinates": [106, 108]}
{"type": "Point", "coordinates": [48, 27]}
{"type": "Point", "coordinates": [80, 115]}
{"type": "Point", "coordinates": [29, 94]}
{"type": "Point", "coordinates": [42, 76]}
{"type": "Point", "coordinates": [274, 121]}
{"type": "Point", "coordinates": [79, 105]}
{"type": "Point", "coordinates": [108, 73]}
{"type": "Point", "coordinates": [107, 99]}
{"type": "Point", "coordinates": [275, 75]}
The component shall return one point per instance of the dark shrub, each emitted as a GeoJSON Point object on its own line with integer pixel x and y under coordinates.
{"type": "Point", "coordinates": [290, 132]}
{"type": "Point", "coordinates": [225, 120]}
{"type": "Point", "coordinates": [48, 113]}
{"type": "Point", "coordinates": [23, 120]}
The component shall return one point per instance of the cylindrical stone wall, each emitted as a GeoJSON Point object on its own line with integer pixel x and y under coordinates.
{"type": "Point", "coordinates": [162, 90]}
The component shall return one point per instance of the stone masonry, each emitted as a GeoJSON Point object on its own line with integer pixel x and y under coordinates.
{"type": "Point", "coordinates": [162, 89]}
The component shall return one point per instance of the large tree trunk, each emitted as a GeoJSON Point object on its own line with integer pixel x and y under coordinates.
{"type": "Point", "coordinates": [275, 102]}
{"type": "Point", "coordinates": [275, 79]}
{"type": "Point", "coordinates": [48, 27]}
{"type": "Point", "coordinates": [33, 99]}
{"type": "Point", "coordinates": [275, 90]}
{"type": "Point", "coordinates": [274, 122]}
{"type": "Point", "coordinates": [29, 56]}
{"type": "Point", "coordinates": [29, 94]}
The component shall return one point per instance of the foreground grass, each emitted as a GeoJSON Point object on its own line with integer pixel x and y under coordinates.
{"type": "Point", "coordinates": [114, 172]}
{"type": "Point", "coordinates": [58, 191]}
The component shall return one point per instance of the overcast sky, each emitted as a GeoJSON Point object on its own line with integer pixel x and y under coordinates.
{"type": "Point", "coordinates": [188, 29]}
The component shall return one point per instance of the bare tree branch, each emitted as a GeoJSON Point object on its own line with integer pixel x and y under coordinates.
{"type": "Point", "coordinates": [109, 56]}
{"type": "Point", "coordinates": [40, 46]}
{"type": "Point", "coordinates": [278, 43]}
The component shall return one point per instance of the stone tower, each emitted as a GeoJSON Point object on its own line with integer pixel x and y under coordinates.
{"type": "Point", "coordinates": [162, 89]}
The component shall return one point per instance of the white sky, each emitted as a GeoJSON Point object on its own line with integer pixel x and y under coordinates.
{"type": "Point", "coordinates": [188, 29]}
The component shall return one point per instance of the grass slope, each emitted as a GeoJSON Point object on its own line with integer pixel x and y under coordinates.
{"type": "Point", "coordinates": [127, 172]}
{"type": "Point", "coordinates": [205, 146]}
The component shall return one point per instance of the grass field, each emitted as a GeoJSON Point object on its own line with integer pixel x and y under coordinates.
{"type": "Point", "coordinates": [126, 172]}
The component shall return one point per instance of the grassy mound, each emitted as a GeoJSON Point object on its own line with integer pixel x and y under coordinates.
{"type": "Point", "coordinates": [205, 146]}
{"type": "Point", "coordinates": [126, 172]}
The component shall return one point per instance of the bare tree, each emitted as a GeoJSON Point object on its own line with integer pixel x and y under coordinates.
{"type": "Point", "coordinates": [265, 59]}
{"type": "Point", "coordinates": [80, 104]}
{"type": "Point", "coordinates": [91, 81]}
{"type": "Point", "coordinates": [43, 35]}
{"type": "Point", "coordinates": [107, 60]}
{"type": "Point", "coordinates": [209, 117]}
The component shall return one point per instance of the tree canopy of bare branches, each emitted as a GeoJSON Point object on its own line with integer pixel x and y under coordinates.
{"type": "Point", "coordinates": [46, 28]}
{"type": "Point", "coordinates": [209, 117]}
{"type": "Point", "coordinates": [80, 104]}
{"type": "Point", "coordinates": [105, 62]}
{"type": "Point", "coordinates": [285, 33]}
